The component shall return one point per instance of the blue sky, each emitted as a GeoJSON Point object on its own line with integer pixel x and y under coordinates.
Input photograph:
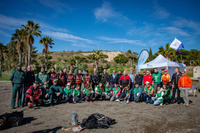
{"type": "Point", "coordinates": [87, 24]}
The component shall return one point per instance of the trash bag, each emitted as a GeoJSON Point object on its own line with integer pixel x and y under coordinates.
{"type": "Point", "coordinates": [97, 121]}
{"type": "Point", "coordinates": [11, 119]}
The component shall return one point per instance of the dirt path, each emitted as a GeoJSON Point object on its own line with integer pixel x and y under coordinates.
{"type": "Point", "coordinates": [130, 118]}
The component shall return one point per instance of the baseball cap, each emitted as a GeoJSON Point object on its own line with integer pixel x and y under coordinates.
{"type": "Point", "coordinates": [68, 84]}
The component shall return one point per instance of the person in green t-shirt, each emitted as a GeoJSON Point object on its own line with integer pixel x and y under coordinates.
{"type": "Point", "coordinates": [126, 92]}
{"type": "Point", "coordinates": [88, 93]}
{"type": "Point", "coordinates": [167, 94]}
{"type": "Point", "coordinates": [98, 91]}
{"type": "Point", "coordinates": [106, 91]}
{"type": "Point", "coordinates": [68, 93]}
{"type": "Point", "coordinates": [158, 99]}
{"type": "Point", "coordinates": [156, 79]}
{"type": "Point", "coordinates": [77, 95]}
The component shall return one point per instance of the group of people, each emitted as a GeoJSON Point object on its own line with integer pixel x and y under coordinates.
{"type": "Point", "coordinates": [50, 87]}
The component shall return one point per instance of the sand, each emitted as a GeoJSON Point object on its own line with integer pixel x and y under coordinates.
{"type": "Point", "coordinates": [133, 117]}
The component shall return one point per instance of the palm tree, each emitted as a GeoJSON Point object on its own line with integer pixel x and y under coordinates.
{"type": "Point", "coordinates": [31, 29]}
{"type": "Point", "coordinates": [47, 42]}
{"type": "Point", "coordinates": [2, 51]}
{"type": "Point", "coordinates": [167, 52]}
{"type": "Point", "coordinates": [96, 56]}
{"type": "Point", "coordinates": [19, 37]}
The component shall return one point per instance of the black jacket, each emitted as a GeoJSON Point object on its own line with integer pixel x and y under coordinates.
{"type": "Point", "coordinates": [139, 79]}
{"type": "Point", "coordinates": [105, 77]}
{"type": "Point", "coordinates": [113, 80]}
{"type": "Point", "coordinates": [29, 78]}
{"type": "Point", "coordinates": [175, 79]}
{"type": "Point", "coordinates": [95, 78]}
{"type": "Point", "coordinates": [118, 77]}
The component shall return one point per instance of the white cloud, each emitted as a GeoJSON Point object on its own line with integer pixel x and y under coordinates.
{"type": "Point", "coordinates": [182, 22]}
{"type": "Point", "coordinates": [4, 34]}
{"type": "Point", "coordinates": [122, 40]}
{"type": "Point", "coordinates": [175, 31]}
{"type": "Point", "coordinates": [160, 12]}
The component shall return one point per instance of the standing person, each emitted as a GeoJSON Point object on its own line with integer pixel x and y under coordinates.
{"type": "Point", "coordinates": [165, 77]}
{"type": "Point", "coordinates": [148, 92]}
{"type": "Point", "coordinates": [86, 78]}
{"type": "Point", "coordinates": [174, 81]}
{"type": "Point", "coordinates": [139, 79]}
{"type": "Point", "coordinates": [55, 93]}
{"type": "Point", "coordinates": [34, 95]}
{"type": "Point", "coordinates": [95, 79]}
{"type": "Point", "coordinates": [42, 77]}
{"type": "Point", "coordinates": [71, 79]}
{"type": "Point", "coordinates": [113, 79]}
{"type": "Point", "coordinates": [79, 78]}
{"type": "Point", "coordinates": [65, 71]}
{"type": "Point", "coordinates": [104, 76]}
{"type": "Point", "coordinates": [185, 84]}
{"type": "Point", "coordinates": [124, 81]}
{"type": "Point", "coordinates": [30, 78]}
{"type": "Point", "coordinates": [163, 71]}
{"type": "Point", "coordinates": [61, 79]}
{"type": "Point", "coordinates": [132, 80]}
{"type": "Point", "coordinates": [52, 76]}
{"type": "Point", "coordinates": [118, 76]}
{"type": "Point", "coordinates": [156, 79]}
{"type": "Point", "coordinates": [17, 79]}
{"type": "Point", "coordinates": [147, 77]}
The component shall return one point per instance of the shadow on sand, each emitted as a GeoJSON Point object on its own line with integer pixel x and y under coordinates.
{"type": "Point", "coordinates": [53, 130]}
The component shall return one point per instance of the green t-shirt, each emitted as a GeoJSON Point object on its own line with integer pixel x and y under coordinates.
{"type": "Point", "coordinates": [87, 92]}
{"type": "Point", "coordinates": [136, 91]}
{"type": "Point", "coordinates": [148, 90]}
{"type": "Point", "coordinates": [98, 90]}
{"type": "Point", "coordinates": [67, 91]}
{"type": "Point", "coordinates": [76, 92]}
{"type": "Point", "coordinates": [157, 77]}
{"type": "Point", "coordinates": [107, 90]}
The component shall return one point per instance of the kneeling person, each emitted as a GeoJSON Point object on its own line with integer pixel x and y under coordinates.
{"type": "Point", "coordinates": [148, 92]}
{"type": "Point", "coordinates": [106, 92]}
{"type": "Point", "coordinates": [68, 93]}
{"type": "Point", "coordinates": [98, 91]}
{"type": "Point", "coordinates": [158, 99]}
{"type": "Point", "coordinates": [88, 93]}
{"type": "Point", "coordinates": [34, 95]}
{"type": "Point", "coordinates": [77, 95]}
{"type": "Point", "coordinates": [116, 91]}
{"type": "Point", "coordinates": [137, 93]}
{"type": "Point", "coordinates": [55, 93]}
{"type": "Point", "coordinates": [45, 91]}
{"type": "Point", "coordinates": [125, 94]}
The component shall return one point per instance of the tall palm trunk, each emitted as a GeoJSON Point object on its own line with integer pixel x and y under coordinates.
{"type": "Point", "coordinates": [26, 63]}
{"type": "Point", "coordinates": [20, 57]}
{"type": "Point", "coordinates": [29, 54]}
{"type": "Point", "coordinates": [45, 60]}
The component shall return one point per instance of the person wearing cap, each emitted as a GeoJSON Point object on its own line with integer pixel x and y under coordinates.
{"type": "Point", "coordinates": [61, 79]}
{"type": "Point", "coordinates": [185, 84]}
{"type": "Point", "coordinates": [45, 91]}
{"type": "Point", "coordinates": [67, 93]}
{"type": "Point", "coordinates": [55, 93]}
{"type": "Point", "coordinates": [147, 77]}
{"type": "Point", "coordinates": [165, 77]}
{"type": "Point", "coordinates": [30, 78]}
{"type": "Point", "coordinates": [34, 95]}
{"type": "Point", "coordinates": [42, 77]}
{"type": "Point", "coordinates": [148, 92]}
{"type": "Point", "coordinates": [79, 78]}
{"type": "Point", "coordinates": [52, 76]}
{"type": "Point", "coordinates": [137, 93]}
{"type": "Point", "coordinates": [17, 78]}
{"type": "Point", "coordinates": [174, 81]}
{"type": "Point", "coordinates": [156, 79]}
{"type": "Point", "coordinates": [86, 78]}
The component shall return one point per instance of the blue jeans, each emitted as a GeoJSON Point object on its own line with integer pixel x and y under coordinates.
{"type": "Point", "coordinates": [149, 98]}
{"type": "Point", "coordinates": [156, 102]}
{"type": "Point", "coordinates": [111, 86]}
{"type": "Point", "coordinates": [23, 93]}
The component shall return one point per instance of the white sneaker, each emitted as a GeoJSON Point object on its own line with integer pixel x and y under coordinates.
{"type": "Point", "coordinates": [127, 102]}
{"type": "Point", "coordinates": [117, 100]}
{"type": "Point", "coordinates": [161, 104]}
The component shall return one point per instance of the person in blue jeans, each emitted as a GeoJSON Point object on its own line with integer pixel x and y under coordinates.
{"type": "Point", "coordinates": [158, 99]}
{"type": "Point", "coordinates": [132, 79]}
{"type": "Point", "coordinates": [148, 92]}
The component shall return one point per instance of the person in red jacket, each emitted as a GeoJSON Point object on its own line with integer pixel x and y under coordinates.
{"type": "Point", "coordinates": [148, 77]}
{"type": "Point", "coordinates": [124, 81]}
{"type": "Point", "coordinates": [34, 95]}
{"type": "Point", "coordinates": [185, 84]}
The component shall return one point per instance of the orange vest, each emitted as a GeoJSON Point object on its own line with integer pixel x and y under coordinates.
{"type": "Point", "coordinates": [87, 78]}
{"type": "Point", "coordinates": [78, 79]}
{"type": "Point", "coordinates": [70, 79]}
{"type": "Point", "coordinates": [165, 78]}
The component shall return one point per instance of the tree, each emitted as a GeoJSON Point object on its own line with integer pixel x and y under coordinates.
{"type": "Point", "coordinates": [19, 37]}
{"type": "Point", "coordinates": [129, 51]}
{"type": "Point", "coordinates": [71, 62]}
{"type": "Point", "coordinates": [47, 42]}
{"type": "Point", "coordinates": [167, 52]}
{"type": "Point", "coordinates": [2, 51]}
{"type": "Point", "coordinates": [31, 29]}
{"type": "Point", "coordinates": [96, 56]}
{"type": "Point", "coordinates": [121, 59]}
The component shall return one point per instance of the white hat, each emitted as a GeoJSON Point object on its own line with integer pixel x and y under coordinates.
{"type": "Point", "coordinates": [68, 84]}
{"type": "Point", "coordinates": [147, 82]}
